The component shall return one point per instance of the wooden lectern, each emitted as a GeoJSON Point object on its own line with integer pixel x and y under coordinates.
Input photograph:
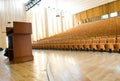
{"type": "Point", "coordinates": [19, 42]}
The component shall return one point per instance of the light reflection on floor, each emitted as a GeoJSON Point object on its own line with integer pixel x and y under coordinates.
{"type": "Point", "coordinates": [64, 66]}
{"type": "Point", "coordinates": [73, 65]}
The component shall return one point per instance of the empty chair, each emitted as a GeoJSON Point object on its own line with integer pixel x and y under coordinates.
{"type": "Point", "coordinates": [71, 44]}
{"type": "Point", "coordinates": [76, 46]}
{"type": "Point", "coordinates": [81, 44]}
{"type": "Point", "coordinates": [87, 44]}
{"type": "Point", "coordinates": [93, 45]}
{"type": "Point", "coordinates": [117, 45]}
{"type": "Point", "coordinates": [109, 46]}
{"type": "Point", "coordinates": [66, 46]}
{"type": "Point", "coordinates": [101, 45]}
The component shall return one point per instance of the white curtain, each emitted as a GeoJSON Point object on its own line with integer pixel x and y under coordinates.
{"type": "Point", "coordinates": [10, 10]}
{"type": "Point", "coordinates": [45, 23]}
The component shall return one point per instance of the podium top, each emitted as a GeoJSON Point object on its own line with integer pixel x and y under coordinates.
{"type": "Point", "coordinates": [22, 28]}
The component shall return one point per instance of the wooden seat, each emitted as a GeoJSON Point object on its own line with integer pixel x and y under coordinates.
{"type": "Point", "coordinates": [101, 45]}
{"type": "Point", "coordinates": [81, 45]}
{"type": "Point", "coordinates": [109, 46]}
{"type": "Point", "coordinates": [88, 36]}
{"type": "Point", "coordinates": [87, 44]}
{"type": "Point", "coordinates": [93, 45]}
{"type": "Point", "coordinates": [117, 45]}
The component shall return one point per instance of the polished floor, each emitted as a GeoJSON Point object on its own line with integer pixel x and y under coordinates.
{"type": "Point", "coordinates": [54, 65]}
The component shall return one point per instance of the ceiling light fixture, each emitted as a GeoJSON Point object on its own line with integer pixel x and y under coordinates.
{"type": "Point", "coordinates": [31, 3]}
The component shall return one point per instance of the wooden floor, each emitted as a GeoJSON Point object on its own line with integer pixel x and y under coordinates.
{"type": "Point", "coordinates": [63, 66]}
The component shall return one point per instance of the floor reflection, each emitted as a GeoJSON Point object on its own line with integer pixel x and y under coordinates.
{"type": "Point", "coordinates": [82, 66]}
{"type": "Point", "coordinates": [63, 66]}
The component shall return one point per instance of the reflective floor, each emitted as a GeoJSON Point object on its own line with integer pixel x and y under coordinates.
{"type": "Point", "coordinates": [54, 65]}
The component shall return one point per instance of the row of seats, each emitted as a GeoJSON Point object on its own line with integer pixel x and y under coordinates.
{"type": "Point", "coordinates": [96, 44]}
{"type": "Point", "coordinates": [100, 35]}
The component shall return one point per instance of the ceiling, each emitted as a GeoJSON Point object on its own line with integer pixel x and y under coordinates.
{"type": "Point", "coordinates": [73, 6]}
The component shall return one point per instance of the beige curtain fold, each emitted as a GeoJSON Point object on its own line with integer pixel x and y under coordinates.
{"type": "Point", "coordinates": [46, 24]}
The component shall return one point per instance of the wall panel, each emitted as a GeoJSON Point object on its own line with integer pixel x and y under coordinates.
{"type": "Point", "coordinates": [96, 12]}
{"type": "Point", "coordinates": [10, 10]}
{"type": "Point", "coordinates": [90, 13]}
{"type": "Point", "coordinates": [78, 17]}
{"type": "Point", "coordinates": [83, 15]}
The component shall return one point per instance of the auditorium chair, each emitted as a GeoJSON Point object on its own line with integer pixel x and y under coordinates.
{"type": "Point", "coordinates": [81, 45]}
{"type": "Point", "coordinates": [62, 47]}
{"type": "Point", "coordinates": [117, 45]}
{"type": "Point", "coordinates": [93, 45]}
{"type": "Point", "coordinates": [35, 46]}
{"type": "Point", "coordinates": [101, 45]}
{"type": "Point", "coordinates": [76, 44]}
{"type": "Point", "coordinates": [65, 46]}
{"type": "Point", "coordinates": [87, 44]}
{"type": "Point", "coordinates": [109, 46]}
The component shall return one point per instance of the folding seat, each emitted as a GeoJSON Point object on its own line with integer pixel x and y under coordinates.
{"type": "Point", "coordinates": [81, 44]}
{"type": "Point", "coordinates": [58, 46]}
{"type": "Point", "coordinates": [51, 46]}
{"type": "Point", "coordinates": [66, 46]}
{"type": "Point", "coordinates": [70, 46]}
{"type": "Point", "coordinates": [76, 45]}
{"type": "Point", "coordinates": [47, 46]}
{"type": "Point", "coordinates": [62, 46]}
{"type": "Point", "coordinates": [54, 46]}
{"type": "Point", "coordinates": [87, 44]}
{"type": "Point", "coordinates": [43, 46]}
{"type": "Point", "coordinates": [33, 45]}
{"type": "Point", "coordinates": [101, 45]}
{"type": "Point", "coordinates": [117, 45]}
{"type": "Point", "coordinates": [109, 46]}
{"type": "Point", "coordinates": [37, 46]}
{"type": "Point", "coordinates": [94, 44]}
{"type": "Point", "coordinates": [40, 46]}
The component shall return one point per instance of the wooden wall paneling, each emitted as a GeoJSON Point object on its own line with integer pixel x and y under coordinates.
{"type": "Point", "coordinates": [80, 16]}
{"type": "Point", "coordinates": [105, 9]}
{"type": "Point", "coordinates": [83, 15]}
{"type": "Point", "coordinates": [112, 27]}
{"type": "Point", "coordinates": [118, 26]}
{"type": "Point", "coordinates": [114, 6]}
{"type": "Point", "coordinates": [90, 13]}
{"type": "Point", "coordinates": [101, 10]}
{"type": "Point", "coordinates": [102, 28]}
{"type": "Point", "coordinates": [77, 17]}
{"type": "Point", "coordinates": [117, 5]}
{"type": "Point", "coordinates": [111, 7]}
{"type": "Point", "coordinates": [96, 11]}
